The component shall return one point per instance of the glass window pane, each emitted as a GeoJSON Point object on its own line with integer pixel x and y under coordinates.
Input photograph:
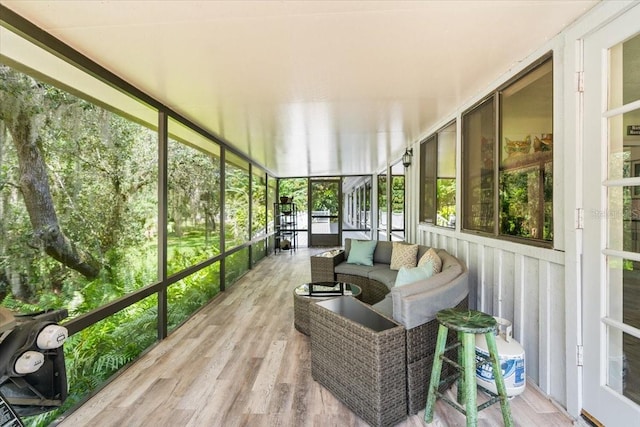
{"type": "Point", "coordinates": [447, 152]}
{"type": "Point", "coordinates": [81, 228]}
{"type": "Point", "coordinates": [272, 185]}
{"type": "Point", "coordinates": [193, 198]}
{"type": "Point", "coordinates": [191, 293]}
{"type": "Point", "coordinates": [97, 352]}
{"type": "Point", "coordinates": [356, 203]}
{"type": "Point", "coordinates": [428, 176]}
{"type": "Point", "coordinates": [297, 188]}
{"type": "Point", "coordinates": [526, 156]}
{"type": "Point", "coordinates": [478, 140]}
{"type": "Point", "coordinates": [236, 201]}
{"type": "Point", "coordinates": [446, 183]}
{"type": "Point", "coordinates": [446, 197]}
{"type": "Point", "coordinates": [258, 203]}
{"type": "Point", "coordinates": [236, 265]}
{"type": "Point", "coordinates": [397, 202]}
{"type": "Point", "coordinates": [382, 206]}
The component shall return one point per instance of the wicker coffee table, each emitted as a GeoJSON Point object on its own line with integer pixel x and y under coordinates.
{"type": "Point", "coordinates": [303, 295]}
{"type": "Point", "coordinates": [359, 355]}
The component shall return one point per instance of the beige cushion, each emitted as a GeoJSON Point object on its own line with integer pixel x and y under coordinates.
{"type": "Point", "coordinates": [432, 256]}
{"type": "Point", "coordinates": [403, 255]}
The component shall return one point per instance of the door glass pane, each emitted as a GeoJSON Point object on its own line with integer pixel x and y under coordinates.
{"type": "Point", "coordinates": [622, 216]}
{"type": "Point", "coordinates": [324, 202]}
{"type": "Point", "coordinates": [623, 298]}
{"type": "Point", "coordinates": [624, 61]}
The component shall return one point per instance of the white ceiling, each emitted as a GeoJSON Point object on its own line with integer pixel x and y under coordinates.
{"type": "Point", "coordinates": [308, 87]}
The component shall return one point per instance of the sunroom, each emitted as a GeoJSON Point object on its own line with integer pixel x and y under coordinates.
{"type": "Point", "coordinates": [145, 148]}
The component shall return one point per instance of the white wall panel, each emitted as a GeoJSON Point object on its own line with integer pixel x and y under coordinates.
{"type": "Point", "coordinates": [523, 284]}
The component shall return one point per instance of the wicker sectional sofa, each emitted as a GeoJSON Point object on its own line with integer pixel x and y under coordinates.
{"type": "Point", "coordinates": [412, 305]}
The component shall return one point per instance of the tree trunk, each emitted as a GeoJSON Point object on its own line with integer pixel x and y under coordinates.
{"type": "Point", "coordinates": [34, 185]}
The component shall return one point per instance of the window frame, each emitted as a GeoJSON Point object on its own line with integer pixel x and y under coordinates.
{"type": "Point", "coordinates": [495, 98]}
{"type": "Point", "coordinates": [429, 161]}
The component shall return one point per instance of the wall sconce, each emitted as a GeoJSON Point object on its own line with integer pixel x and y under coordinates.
{"type": "Point", "coordinates": [406, 157]}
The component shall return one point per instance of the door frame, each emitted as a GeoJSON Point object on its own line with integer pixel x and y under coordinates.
{"type": "Point", "coordinates": [598, 399]}
{"type": "Point", "coordinates": [331, 239]}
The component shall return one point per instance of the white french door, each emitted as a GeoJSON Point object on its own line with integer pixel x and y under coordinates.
{"type": "Point", "coordinates": [611, 245]}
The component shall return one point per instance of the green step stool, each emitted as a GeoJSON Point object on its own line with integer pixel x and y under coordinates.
{"type": "Point", "coordinates": [467, 323]}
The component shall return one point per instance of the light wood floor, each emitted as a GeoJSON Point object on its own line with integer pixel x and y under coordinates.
{"type": "Point", "coordinates": [240, 362]}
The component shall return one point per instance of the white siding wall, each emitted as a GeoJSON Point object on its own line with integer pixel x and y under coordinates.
{"type": "Point", "coordinates": [539, 290]}
{"type": "Point", "coordinates": [522, 284]}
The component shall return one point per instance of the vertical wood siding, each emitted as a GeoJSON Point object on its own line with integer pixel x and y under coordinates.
{"type": "Point", "coordinates": [523, 284]}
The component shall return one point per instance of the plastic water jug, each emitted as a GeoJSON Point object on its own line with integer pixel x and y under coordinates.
{"type": "Point", "coordinates": [512, 361]}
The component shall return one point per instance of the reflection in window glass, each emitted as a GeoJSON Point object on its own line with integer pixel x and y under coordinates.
{"type": "Point", "coordinates": [236, 201]}
{"type": "Point", "coordinates": [438, 178]}
{"type": "Point", "coordinates": [191, 293]}
{"type": "Point", "coordinates": [428, 179]}
{"type": "Point", "coordinates": [356, 205]}
{"type": "Point", "coordinates": [446, 183]}
{"type": "Point", "coordinates": [193, 198]}
{"type": "Point", "coordinates": [478, 140]}
{"type": "Point", "coordinates": [526, 156]}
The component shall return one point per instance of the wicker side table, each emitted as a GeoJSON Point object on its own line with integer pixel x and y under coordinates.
{"type": "Point", "coordinates": [323, 264]}
{"type": "Point", "coordinates": [359, 355]}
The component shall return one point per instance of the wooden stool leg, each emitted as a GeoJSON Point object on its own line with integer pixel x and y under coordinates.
{"type": "Point", "coordinates": [461, 387]}
{"type": "Point", "coordinates": [469, 373]}
{"type": "Point", "coordinates": [497, 375]}
{"type": "Point", "coordinates": [435, 373]}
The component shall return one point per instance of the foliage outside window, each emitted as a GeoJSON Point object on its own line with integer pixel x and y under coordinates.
{"type": "Point", "coordinates": [79, 213]}
{"type": "Point", "coordinates": [193, 198]}
{"type": "Point", "coordinates": [520, 163]}
{"type": "Point", "coordinates": [191, 293]}
{"type": "Point", "coordinates": [438, 177]}
{"type": "Point", "coordinates": [78, 221]}
{"type": "Point", "coordinates": [397, 201]}
{"type": "Point", "coordinates": [236, 200]}
{"type": "Point", "coordinates": [382, 206]}
{"type": "Point", "coordinates": [78, 199]}
{"type": "Point", "coordinates": [297, 189]}
{"type": "Point", "coordinates": [526, 156]}
{"type": "Point", "coordinates": [258, 203]}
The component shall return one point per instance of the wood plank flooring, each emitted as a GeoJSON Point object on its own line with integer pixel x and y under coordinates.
{"type": "Point", "coordinates": [240, 362]}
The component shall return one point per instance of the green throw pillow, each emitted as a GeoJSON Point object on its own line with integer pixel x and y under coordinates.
{"type": "Point", "coordinates": [361, 252]}
{"type": "Point", "coordinates": [411, 275]}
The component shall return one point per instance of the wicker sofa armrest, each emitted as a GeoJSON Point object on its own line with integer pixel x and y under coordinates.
{"type": "Point", "coordinates": [323, 265]}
